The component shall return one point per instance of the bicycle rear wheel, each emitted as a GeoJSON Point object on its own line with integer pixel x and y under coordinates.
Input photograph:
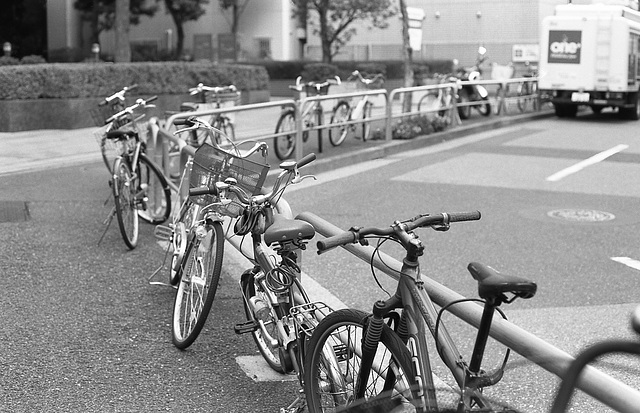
{"type": "Point", "coordinates": [366, 125]}
{"type": "Point", "coordinates": [124, 196]}
{"type": "Point", "coordinates": [284, 145]}
{"type": "Point", "coordinates": [332, 364]}
{"type": "Point", "coordinates": [341, 114]}
{"type": "Point", "coordinates": [154, 194]}
{"type": "Point", "coordinates": [198, 284]}
{"type": "Point", "coordinates": [258, 308]}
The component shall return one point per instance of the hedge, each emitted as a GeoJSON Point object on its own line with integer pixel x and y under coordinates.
{"type": "Point", "coordinates": [83, 80]}
{"type": "Point", "coordinates": [392, 69]}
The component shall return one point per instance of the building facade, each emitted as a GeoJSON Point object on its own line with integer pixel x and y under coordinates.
{"type": "Point", "coordinates": [451, 29]}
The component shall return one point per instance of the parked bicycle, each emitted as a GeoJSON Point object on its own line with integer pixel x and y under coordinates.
{"type": "Point", "coordinates": [212, 98]}
{"type": "Point", "coordinates": [195, 237]}
{"type": "Point", "coordinates": [280, 315]}
{"type": "Point", "coordinates": [528, 91]}
{"type": "Point", "coordinates": [344, 114]}
{"type": "Point", "coordinates": [440, 100]}
{"type": "Point", "coordinates": [386, 352]}
{"type": "Point", "coordinates": [312, 117]}
{"type": "Point", "coordinates": [139, 188]}
{"type": "Point", "coordinates": [108, 107]}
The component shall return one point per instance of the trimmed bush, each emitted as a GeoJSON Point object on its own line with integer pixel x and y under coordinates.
{"type": "Point", "coordinates": [81, 80]}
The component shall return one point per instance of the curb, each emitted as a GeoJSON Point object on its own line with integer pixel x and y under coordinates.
{"type": "Point", "coordinates": [397, 146]}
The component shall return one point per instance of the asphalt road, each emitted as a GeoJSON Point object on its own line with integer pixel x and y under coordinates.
{"type": "Point", "coordinates": [84, 331]}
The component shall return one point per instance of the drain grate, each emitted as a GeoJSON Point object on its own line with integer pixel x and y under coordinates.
{"type": "Point", "coordinates": [14, 211]}
{"type": "Point", "coordinates": [581, 215]}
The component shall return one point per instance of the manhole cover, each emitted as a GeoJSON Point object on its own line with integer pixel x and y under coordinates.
{"type": "Point", "coordinates": [13, 211]}
{"type": "Point", "coordinates": [581, 215]}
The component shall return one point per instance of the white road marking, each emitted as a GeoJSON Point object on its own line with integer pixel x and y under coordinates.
{"type": "Point", "coordinates": [587, 162]}
{"type": "Point", "coordinates": [629, 262]}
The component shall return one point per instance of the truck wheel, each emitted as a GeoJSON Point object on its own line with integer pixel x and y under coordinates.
{"type": "Point", "coordinates": [560, 110]}
{"type": "Point", "coordinates": [631, 113]}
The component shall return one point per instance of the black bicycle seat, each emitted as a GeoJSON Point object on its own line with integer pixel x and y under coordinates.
{"type": "Point", "coordinates": [120, 134]}
{"type": "Point", "coordinates": [493, 284]}
{"type": "Point", "coordinates": [286, 230]}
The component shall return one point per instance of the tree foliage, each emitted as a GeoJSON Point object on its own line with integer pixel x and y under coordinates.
{"type": "Point", "coordinates": [182, 11]}
{"type": "Point", "coordinates": [101, 14]}
{"type": "Point", "coordinates": [333, 20]}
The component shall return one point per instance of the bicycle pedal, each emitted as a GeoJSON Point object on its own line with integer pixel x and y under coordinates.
{"type": "Point", "coordinates": [163, 233]}
{"type": "Point", "coordinates": [246, 327]}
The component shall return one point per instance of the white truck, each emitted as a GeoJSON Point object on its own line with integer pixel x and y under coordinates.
{"type": "Point", "coordinates": [589, 56]}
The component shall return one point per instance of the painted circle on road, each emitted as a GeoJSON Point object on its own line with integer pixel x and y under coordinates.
{"type": "Point", "coordinates": [581, 215]}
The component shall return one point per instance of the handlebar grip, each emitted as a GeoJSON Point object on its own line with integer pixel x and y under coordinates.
{"type": "Point", "coordinates": [151, 99]}
{"type": "Point", "coordinates": [135, 85]}
{"type": "Point", "coordinates": [203, 190]}
{"type": "Point", "coordinates": [306, 160]}
{"type": "Point", "coordinates": [346, 237]}
{"type": "Point", "coordinates": [464, 216]}
{"type": "Point", "coordinates": [183, 121]}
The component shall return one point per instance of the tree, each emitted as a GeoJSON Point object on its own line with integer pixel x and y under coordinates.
{"type": "Point", "coordinates": [237, 8]}
{"type": "Point", "coordinates": [182, 11]}
{"type": "Point", "coordinates": [334, 18]}
{"type": "Point", "coordinates": [121, 27]}
{"type": "Point", "coordinates": [101, 14]}
{"type": "Point", "coordinates": [407, 55]}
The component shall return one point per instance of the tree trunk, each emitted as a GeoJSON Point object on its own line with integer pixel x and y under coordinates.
{"type": "Point", "coordinates": [121, 26]}
{"type": "Point", "coordinates": [407, 56]}
{"type": "Point", "coordinates": [324, 33]}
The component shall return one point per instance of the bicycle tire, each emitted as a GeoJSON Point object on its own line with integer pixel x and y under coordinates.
{"type": "Point", "coordinates": [430, 102]}
{"type": "Point", "coordinates": [464, 111]}
{"type": "Point", "coordinates": [284, 145]}
{"type": "Point", "coordinates": [366, 126]}
{"type": "Point", "coordinates": [269, 352]}
{"type": "Point", "coordinates": [155, 203]}
{"type": "Point", "coordinates": [485, 108]}
{"type": "Point", "coordinates": [198, 284]}
{"type": "Point", "coordinates": [341, 113]}
{"type": "Point", "coordinates": [523, 96]}
{"type": "Point", "coordinates": [124, 193]}
{"type": "Point", "coordinates": [331, 366]}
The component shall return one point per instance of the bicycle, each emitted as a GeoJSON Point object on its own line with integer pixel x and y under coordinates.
{"type": "Point", "coordinates": [106, 108]}
{"type": "Point", "coordinates": [527, 92]}
{"type": "Point", "coordinates": [570, 379]}
{"type": "Point", "coordinates": [195, 237]}
{"type": "Point", "coordinates": [439, 100]}
{"type": "Point", "coordinates": [212, 98]}
{"type": "Point", "coordinates": [385, 353]}
{"type": "Point", "coordinates": [343, 112]}
{"type": "Point", "coordinates": [280, 315]}
{"type": "Point", "coordinates": [139, 188]}
{"type": "Point", "coordinates": [312, 117]}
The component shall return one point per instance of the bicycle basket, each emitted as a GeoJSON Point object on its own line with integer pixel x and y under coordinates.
{"type": "Point", "coordinates": [211, 165]}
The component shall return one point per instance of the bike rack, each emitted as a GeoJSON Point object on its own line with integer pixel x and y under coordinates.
{"type": "Point", "coordinates": [597, 384]}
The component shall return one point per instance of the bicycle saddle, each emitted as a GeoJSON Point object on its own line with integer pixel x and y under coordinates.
{"type": "Point", "coordinates": [493, 284]}
{"type": "Point", "coordinates": [288, 230]}
{"type": "Point", "coordinates": [120, 134]}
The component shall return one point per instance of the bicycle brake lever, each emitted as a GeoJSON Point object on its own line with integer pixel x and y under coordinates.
{"type": "Point", "coordinates": [300, 178]}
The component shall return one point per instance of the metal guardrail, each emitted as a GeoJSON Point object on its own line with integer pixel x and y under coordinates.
{"type": "Point", "coordinates": [597, 384]}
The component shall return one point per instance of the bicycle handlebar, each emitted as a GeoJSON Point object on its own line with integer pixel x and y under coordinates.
{"type": "Point", "coordinates": [356, 73]}
{"type": "Point", "coordinates": [130, 109]}
{"type": "Point", "coordinates": [356, 234]}
{"type": "Point", "coordinates": [217, 89]}
{"type": "Point", "coordinates": [317, 85]}
{"type": "Point", "coordinates": [118, 95]}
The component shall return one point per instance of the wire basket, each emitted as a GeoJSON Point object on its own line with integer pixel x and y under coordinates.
{"type": "Point", "coordinates": [112, 148]}
{"type": "Point", "coordinates": [211, 165]}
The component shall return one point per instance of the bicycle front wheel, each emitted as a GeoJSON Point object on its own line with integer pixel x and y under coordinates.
{"type": "Point", "coordinates": [523, 96]}
{"type": "Point", "coordinates": [198, 285]}
{"type": "Point", "coordinates": [340, 115]}
{"type": "Point", "coordinates": [153, 192]}
{"type": "Point", "coordinates": [333, 361]}
{"type": "Point", "coordinates": [124, 196]}
{"type": "Point", "coordinates": [284, 145]}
